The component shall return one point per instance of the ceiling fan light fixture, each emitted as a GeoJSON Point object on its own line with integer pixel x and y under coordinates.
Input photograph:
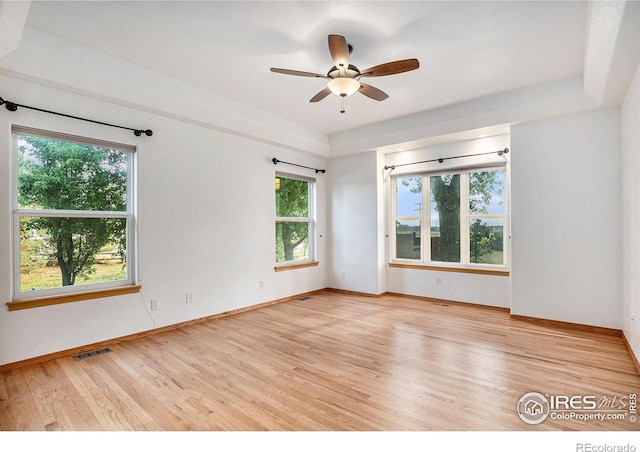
{"type": "Point", "coordinates": [343, 86]}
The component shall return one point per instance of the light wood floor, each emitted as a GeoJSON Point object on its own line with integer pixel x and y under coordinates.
{"type": "Point", "coordinates": [331, 362]}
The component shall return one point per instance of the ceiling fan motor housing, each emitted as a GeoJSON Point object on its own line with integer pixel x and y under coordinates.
{"type": "Point", "coordinates": [350, 72]}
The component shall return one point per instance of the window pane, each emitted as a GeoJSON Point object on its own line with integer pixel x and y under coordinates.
{"type": "Point", "coordinates": [486, 241]}
{"type": "Point", "coordinates": [486, 192]}
{"type": "Point", "coordinates": [292, 198]}
{"type": "Point", "coordinates": [445, 218]}
{"type": "Point", "coordinates": [57, 252]}
{"type": "Point", "coordinates": [61, 175]}
{"type": "Point", "coordinates": [292, 241]}
{"type": "Point", "coordinates": [409, 196]}
{"type": "Point", "coordinates": [408, 239]}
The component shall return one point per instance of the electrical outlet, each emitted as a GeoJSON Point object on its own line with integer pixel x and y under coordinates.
{"type": "Point", "coordinates": [189, 298]}
{"type": "Point", "coordinates": [439, 281]}
{"type": "Point", "coordinates": [342, 274]}
{"type": "Point", "coordinates": [155, 304]}
{"type": "Point", "coordinates": [261, 284]}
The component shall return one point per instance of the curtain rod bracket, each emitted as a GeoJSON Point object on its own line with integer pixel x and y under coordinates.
{"type": "Point", "coordinates": [276, 161]}
{"type": "Point", "coordinates": [12, 106]}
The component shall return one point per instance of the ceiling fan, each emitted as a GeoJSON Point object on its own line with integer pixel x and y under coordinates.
{"type": "Point", "coordinates": [344, 78]}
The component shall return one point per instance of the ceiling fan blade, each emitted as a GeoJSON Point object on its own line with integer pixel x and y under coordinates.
{"type": "Point", "coordinates": [300, 73]}
{"type": "Point", "coordinates": [373, 93]}
{"type": "Point", "coordinates": [321, 95]}
{"type": "Point", "coordinates": [339, 50]}
{"type": "Point", "coordinates": [394, 67]}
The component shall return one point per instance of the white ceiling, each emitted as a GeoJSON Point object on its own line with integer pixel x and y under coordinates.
{"type": "Point", "coordinates": [467, 50]}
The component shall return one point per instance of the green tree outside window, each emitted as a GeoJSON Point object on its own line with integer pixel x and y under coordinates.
{"type": "Point", "coordinates": [55, 176]}
{"type": "Point", "coordinates": [292, 219]}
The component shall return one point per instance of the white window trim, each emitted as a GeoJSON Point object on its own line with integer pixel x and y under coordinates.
{"type": "Point", "coordinates": [311, 220]}
{"type": "Point", "coordinates": [465, 218]}
{"type": "Point", "coordinates": [17, 213]}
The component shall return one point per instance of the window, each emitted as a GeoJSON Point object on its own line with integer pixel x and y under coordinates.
{"type": "Point", "coordinates": [487, 218]}
{"type": "Point", "coordinates": [464, 224]}
{"type": "Point", "coordinates": [73, 215]}
{"type": "Point", "coordinates": [294, 219]}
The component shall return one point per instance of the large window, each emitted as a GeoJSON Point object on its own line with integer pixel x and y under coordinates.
{"type": "Point", "coordinates": [464, 222]}
{"type": "Point", "coordinates": [73, 215]}
{"type": "Point", "coordinates": [294, 219]}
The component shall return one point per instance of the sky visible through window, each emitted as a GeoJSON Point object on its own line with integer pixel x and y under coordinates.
{"type": "Point", "coordinates": [409, 200]}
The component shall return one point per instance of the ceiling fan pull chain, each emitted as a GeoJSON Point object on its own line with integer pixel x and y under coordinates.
{"type": "Point", "coordinates": [341, 104]}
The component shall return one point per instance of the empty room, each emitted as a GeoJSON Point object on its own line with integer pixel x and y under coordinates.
{"type": "Point", "coordinates": [321, 216]}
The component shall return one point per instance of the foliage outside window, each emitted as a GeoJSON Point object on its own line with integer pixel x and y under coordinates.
{"type": "Point", "coordinates": [294, 219]}
{"type": "Point", "coordinates": [73, 219]}
{"type": "Point", "coordinates": [464, 223]}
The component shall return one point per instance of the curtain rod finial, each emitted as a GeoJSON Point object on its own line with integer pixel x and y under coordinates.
{"type": "Point", "coordinates": [8, 104]}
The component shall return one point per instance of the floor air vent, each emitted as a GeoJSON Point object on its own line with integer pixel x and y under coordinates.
{"type": "Point", "coordinates": [303, 298]}
{"type": "Point", "coordinates": [93, 353]}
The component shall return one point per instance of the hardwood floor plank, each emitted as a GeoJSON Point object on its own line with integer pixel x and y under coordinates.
{"type": "Point", "coordinates": [97, 402]}
{"type": "Point", "coordinates": [334, 361]}
{"type": "Point", "coordinates": [7, 423]}
{"type": "Point", "coordinates": [43, 390]}
{"type": "Point", "coordinates": [22, 408]}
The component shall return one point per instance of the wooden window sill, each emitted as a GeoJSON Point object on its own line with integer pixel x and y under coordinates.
{"type": "Point", "coordinates": [70, 298]}
{"type": "Point", "coordinates": [476, 271]}
{"type": "Point", "coordinates": [283, 268]}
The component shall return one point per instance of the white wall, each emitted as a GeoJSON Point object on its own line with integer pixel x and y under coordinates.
{"type": "Point", "coordinates": [383, 244]}
{"type": "Point", "coordinates": [470, 288]}
{"type": "Point", "coordinates": [566, 211]}
{"type": "Point", "coordinates": [630, 117]}
{"type": "Point", "coordinates": [206, 226]}
{"type": "Point", "coordinates": [356, 253]}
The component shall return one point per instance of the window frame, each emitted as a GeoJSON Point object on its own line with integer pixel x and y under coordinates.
{"type": "Point", "coordinates": [26, 299]}
{"type": "Point", "coordinates": [310, 261]}
{"type": "Point", "coordinates": [465, 264]}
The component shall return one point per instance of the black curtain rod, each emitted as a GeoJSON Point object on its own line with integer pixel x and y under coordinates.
{"type": "Point", "coordinates": [442, 159]}
{"type": "Point", "coordinates": [276, 161]}
{"type": "Point", "coordinates": [12, 106]}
